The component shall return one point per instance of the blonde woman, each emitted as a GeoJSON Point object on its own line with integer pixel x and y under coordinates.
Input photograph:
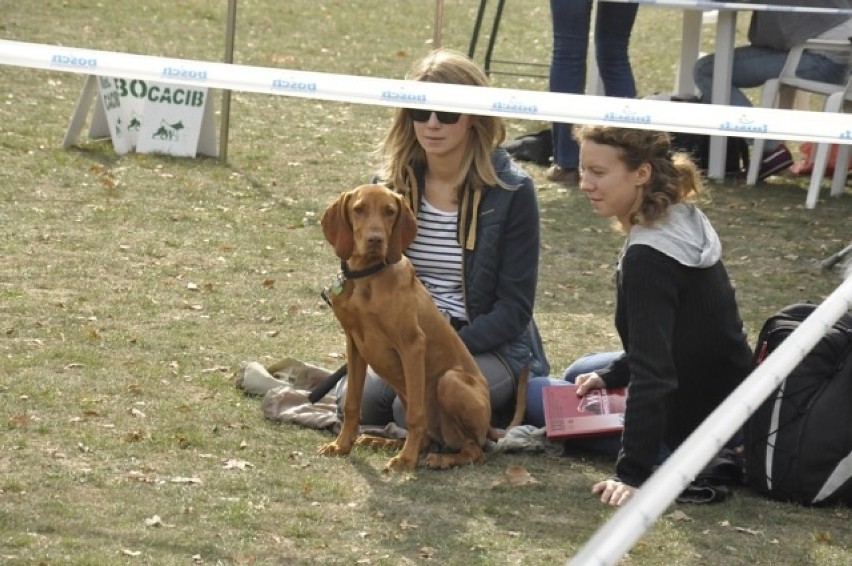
{"type": "Point", "coordinates": [477, 245]}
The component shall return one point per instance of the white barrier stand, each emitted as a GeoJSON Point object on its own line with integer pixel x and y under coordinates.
{"type": "Point", "coordinates": [150, 117]}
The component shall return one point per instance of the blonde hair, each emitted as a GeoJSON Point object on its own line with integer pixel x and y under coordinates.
{"type": "Point", "coordinates": [674, 176]}
{"type": "Point", "coordinates": [401, 153]}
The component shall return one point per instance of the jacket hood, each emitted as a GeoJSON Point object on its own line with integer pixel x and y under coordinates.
{"type": "Point", "coordinates": [684, 234]}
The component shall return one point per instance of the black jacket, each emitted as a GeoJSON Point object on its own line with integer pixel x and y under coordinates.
{"type": "Point", "coordinates": [686, 351]}
{"type": "Point", "coordinates": [785, 30]}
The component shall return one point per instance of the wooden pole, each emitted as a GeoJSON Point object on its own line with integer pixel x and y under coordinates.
{"type": "Point", "coordinates": [226, 94]}
{"type": "Point", "coordinates": [439, 23]}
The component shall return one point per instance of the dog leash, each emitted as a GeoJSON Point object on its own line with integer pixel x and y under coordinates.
{"type": "Point", "coordinates": [326, 385]}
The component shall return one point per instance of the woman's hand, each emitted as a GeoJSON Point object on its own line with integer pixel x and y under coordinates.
{"type": "Point", "coordinates": [585, 382]}
{"type": "Point", "coordinates": [614, 492]}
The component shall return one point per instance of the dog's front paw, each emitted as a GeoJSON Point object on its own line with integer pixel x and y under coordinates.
{"type": "Point", "coordinates": [333, 449]}
{"type": "Point", "coordinates": [439, 461]}
{"type": "Point", "coordinates": [400, 464]}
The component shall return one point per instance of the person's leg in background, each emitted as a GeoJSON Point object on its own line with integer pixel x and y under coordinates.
{"type": "Point", "coordinates": [589, 363]}
{"type": "Point", "coordinates": [752, 67]}
{"type": "Point", "coordinates": [571, 21]}
{"type": "Point", "coordinates": [613, 26]}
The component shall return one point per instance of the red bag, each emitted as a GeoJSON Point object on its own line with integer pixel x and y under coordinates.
{"type": "Point", "coordinates": [806, 165]}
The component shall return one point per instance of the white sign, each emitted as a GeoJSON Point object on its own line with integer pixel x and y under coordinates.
{"type": "Point", "coordinates": [150, 117]}
{"type": "Point", "coordinates": [121, 116]}
{"type": "Point", "coordinates": [171, 117]}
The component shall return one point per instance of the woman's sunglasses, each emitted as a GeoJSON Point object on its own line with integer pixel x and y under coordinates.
{"type": "Point", "coordinates": [420, 115]}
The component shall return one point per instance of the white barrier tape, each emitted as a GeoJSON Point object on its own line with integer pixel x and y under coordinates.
{"type": "Point", "coordinates": [624, 528]}
{"type": "Point", "coordinates": [739, 6]}
{"type": "Point", "coordinates": [509, 103]}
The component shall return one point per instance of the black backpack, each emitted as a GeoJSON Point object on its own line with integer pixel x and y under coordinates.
{"type": "Point", "coordinates": [799, 441]}
{"type": "Point", "coordinates": [736, 156]}
{"type": "Point", "coordinates": [698, 145]}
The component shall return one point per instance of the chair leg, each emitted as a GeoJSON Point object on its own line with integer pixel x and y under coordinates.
{"type": "Point", "coordinates": [474, 38]}
{"type": "Point", "coordinates": [841, 170]}
{"type": "Point", "coordinates": [493, 39]}
{"type": "Point", "coordinates": [754, 161]}
{"type": "Point", "coordinates": [820, 161]}
{"type": "Point", "coordinates": [770, 93]}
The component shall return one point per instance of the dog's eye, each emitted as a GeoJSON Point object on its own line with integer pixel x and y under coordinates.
{"type": "Point", "coordinates": [390, 211]}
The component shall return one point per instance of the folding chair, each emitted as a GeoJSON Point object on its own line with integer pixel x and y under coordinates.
{"type": "Point", "coordinates": [779, 93]}
{"type": "Point", "coordinates": [541, 68]}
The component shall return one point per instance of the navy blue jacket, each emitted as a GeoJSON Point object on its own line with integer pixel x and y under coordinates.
{"type": "Point", "coordinates": [500, 234]}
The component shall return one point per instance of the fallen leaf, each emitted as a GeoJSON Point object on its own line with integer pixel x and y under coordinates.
{"type": "Point", "coordinates": [19, 420]}
{"type": "Point", "coordinates": [234, 464]}
{"type": "Point", "coordinates": [134, 436]}
{"type": "Point", "coordinates": [136, 475]}
{"type": "Point", "coordinates": [154, 521]}
{"type": "Point", "coordinates": [180, 479]}
{"type": "Point", "coordinates": [747, 531]}
{"type": "Point", "coordinates": [678, 515]}
{"type": "Point", "coordinates": [518, 476]}
{"type": "Point", "coordinates": [426, 551]}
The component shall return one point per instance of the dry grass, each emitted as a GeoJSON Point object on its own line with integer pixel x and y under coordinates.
{"type": "Point", "coordinates": [132, 287]}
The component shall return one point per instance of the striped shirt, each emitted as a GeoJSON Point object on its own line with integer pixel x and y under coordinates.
{"type": "Point", "coordinates": [437, 258]}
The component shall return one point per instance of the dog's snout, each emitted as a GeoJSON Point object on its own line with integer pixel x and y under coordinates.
{"type": "Point", "coordinates": [375, 238]}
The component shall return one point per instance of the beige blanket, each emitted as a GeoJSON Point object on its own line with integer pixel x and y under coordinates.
{"type": "Point", "coordinates": [285, 397]}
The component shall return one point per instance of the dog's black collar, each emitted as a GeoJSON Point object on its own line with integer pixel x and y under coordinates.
{"type": "Point", "coordinates": [336, 286]}
{"type": "Point", "coordinates": [375, 268]}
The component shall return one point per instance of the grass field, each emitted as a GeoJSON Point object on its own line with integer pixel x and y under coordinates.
{"type": "Point", "coordinates": [132, 287]}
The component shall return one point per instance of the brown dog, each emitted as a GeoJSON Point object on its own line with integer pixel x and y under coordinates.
{"type": "Point", "coordinates": [392, 325]}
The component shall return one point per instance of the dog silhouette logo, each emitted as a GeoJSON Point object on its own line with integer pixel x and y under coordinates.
{"type": "Point", "coordinates": [168, 132]}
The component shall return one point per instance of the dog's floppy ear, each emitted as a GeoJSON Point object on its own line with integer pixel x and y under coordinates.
{"type": "Point", "coordinates": [404, 230]}
{"type": "Point", "coordinates": [336, 227]}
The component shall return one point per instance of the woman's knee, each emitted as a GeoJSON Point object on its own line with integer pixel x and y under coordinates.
{"type": "Point", "coordinates": [588, 363]}
{"type": "Point", "coordinates": [534, 407]}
